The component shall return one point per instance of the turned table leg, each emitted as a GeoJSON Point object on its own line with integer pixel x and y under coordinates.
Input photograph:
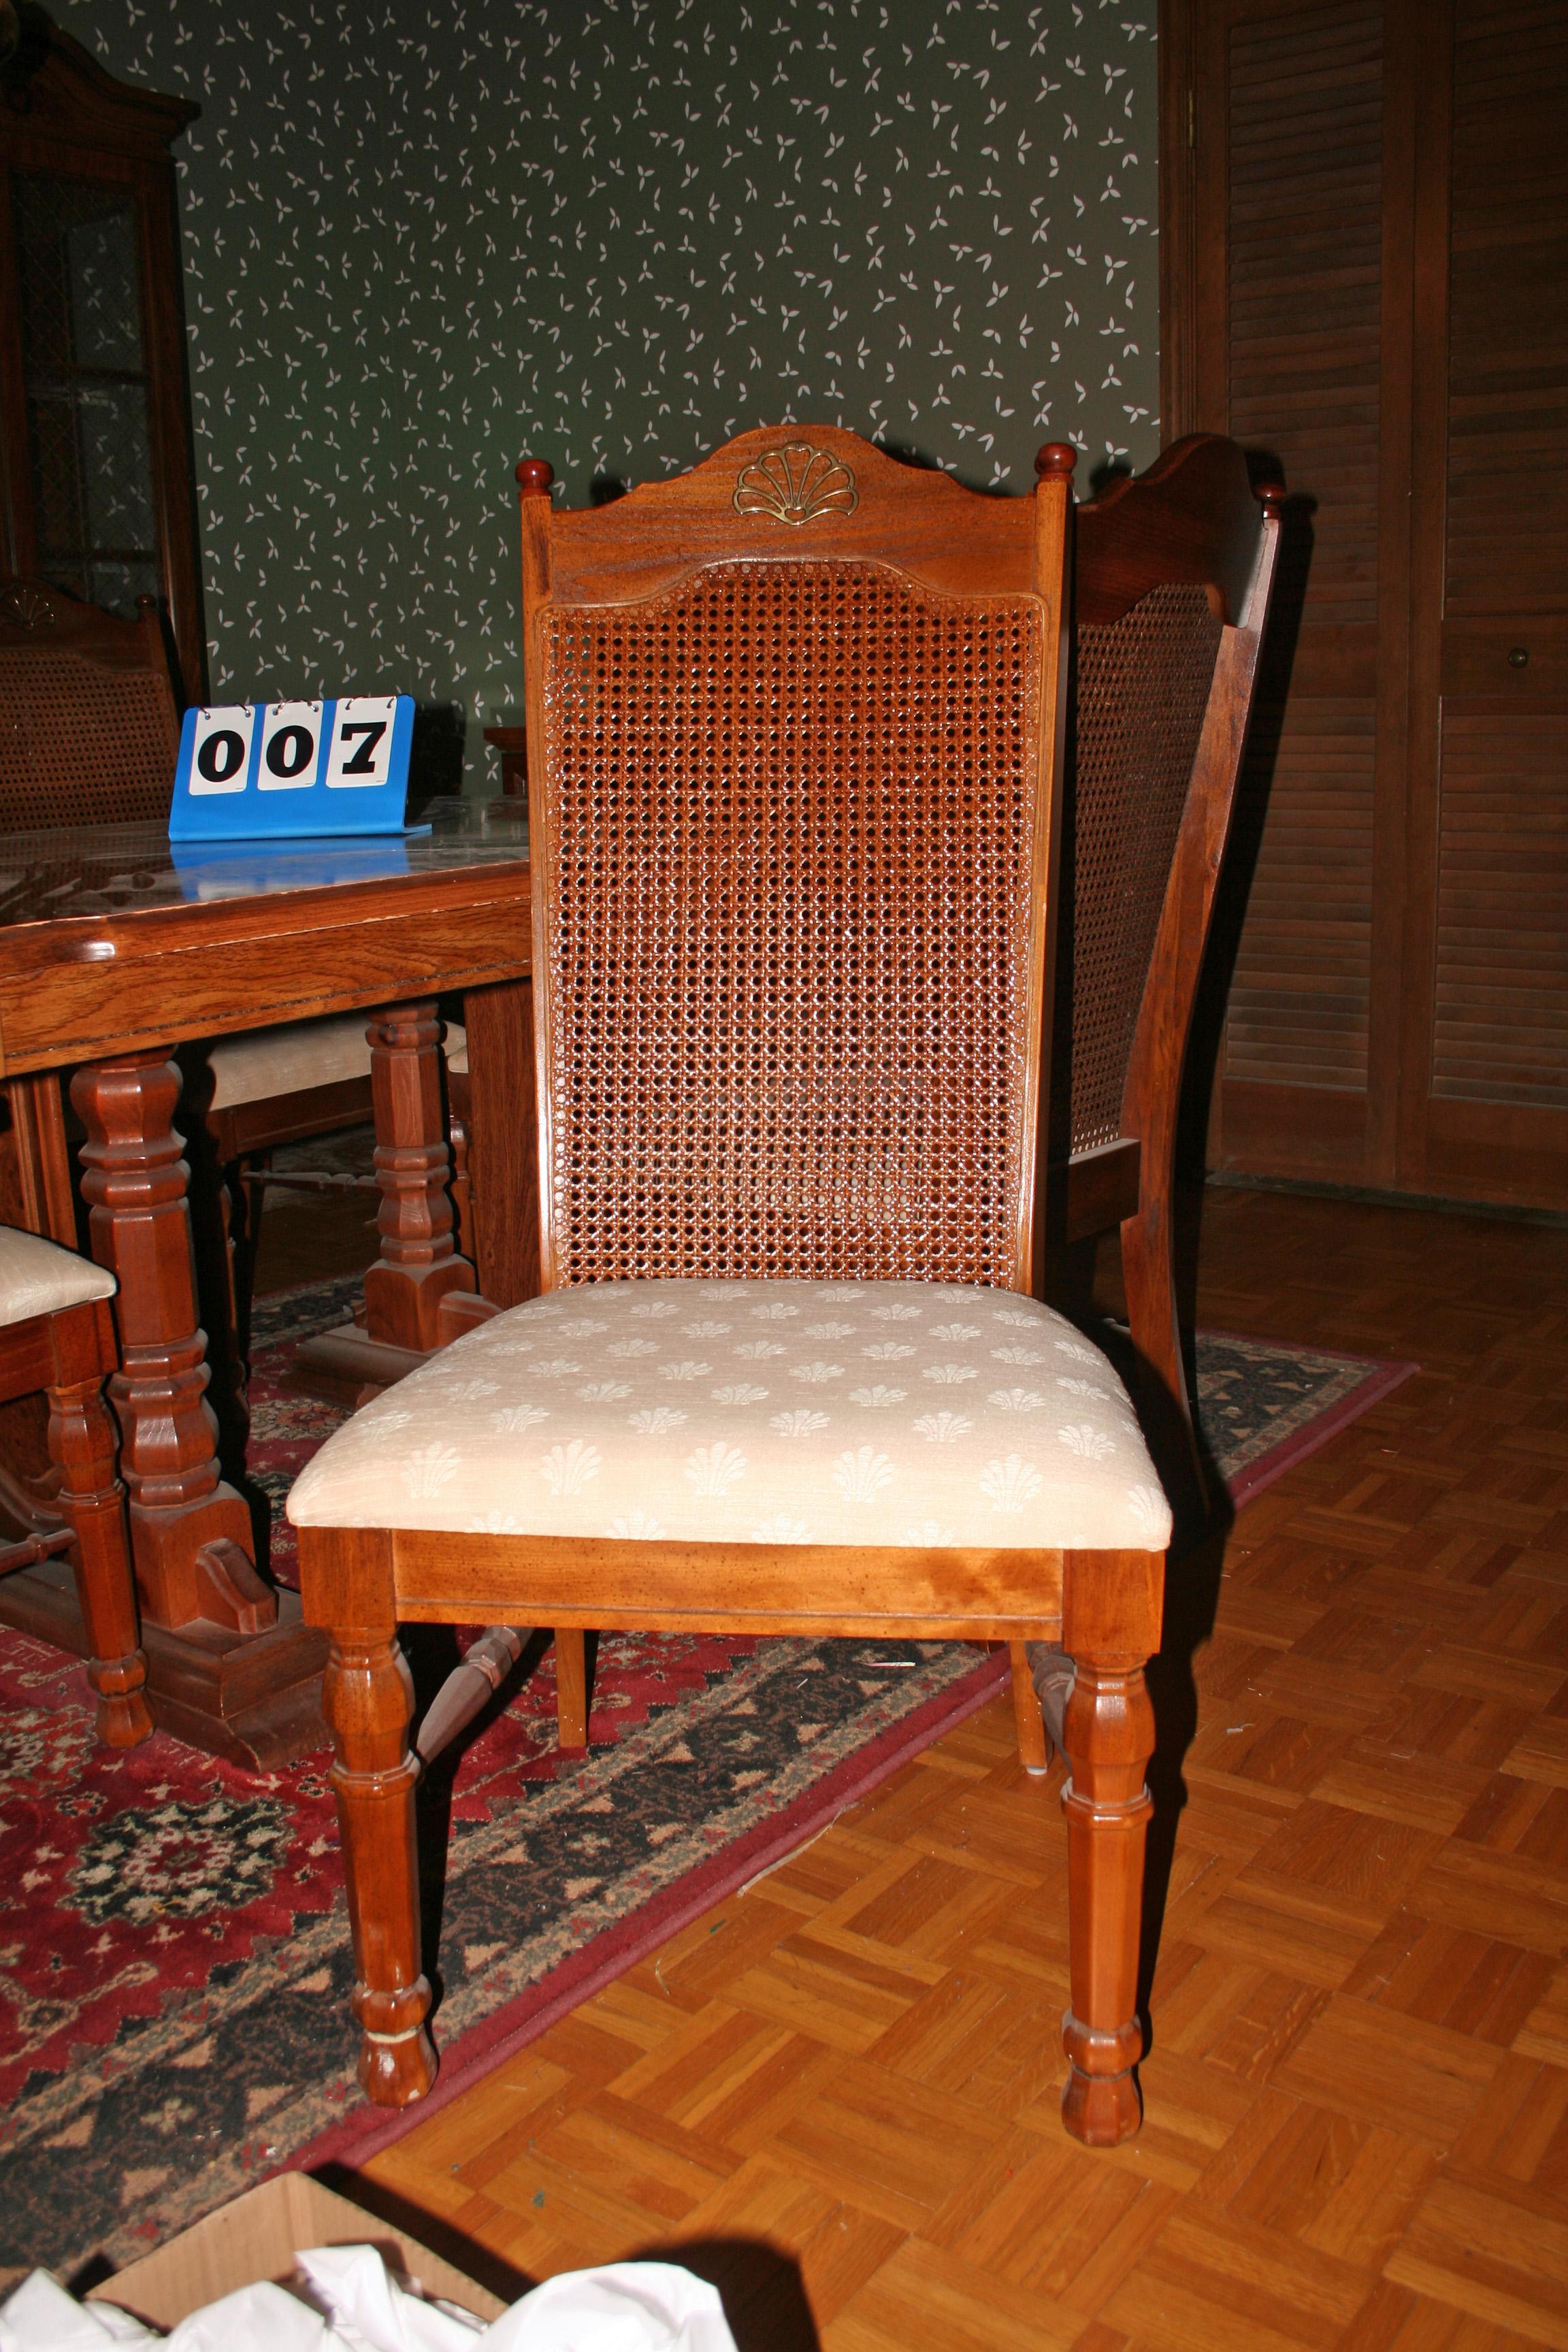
{"type": "Point", "coordinates": [190, 1532]}
{"type": "Point", "coordinates": [418, 1264]}
{"type": "Point", "coordinates": [368, 1699]}
{"type": "Point", "coordinates": [81, 1446]}
{"type": "Point", "coordinates": [1109, 1735]}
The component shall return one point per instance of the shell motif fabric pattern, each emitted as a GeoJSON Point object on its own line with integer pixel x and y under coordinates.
{"type": "Point", "coordinates": [828, 1412]}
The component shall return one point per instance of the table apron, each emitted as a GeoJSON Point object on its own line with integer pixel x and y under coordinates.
{"type": "Point", "coordinates": [76, 1011]}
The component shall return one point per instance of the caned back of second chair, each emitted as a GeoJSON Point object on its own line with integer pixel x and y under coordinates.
{"type": "Point", "coordinates": [794, 722]}
{"type": "Point", "coordinates": [1168, 619]}
{"type": "Point", "coordinates": [88, 729]}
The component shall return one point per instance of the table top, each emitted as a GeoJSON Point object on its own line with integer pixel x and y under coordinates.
{"type": "Point", "coordinates": [112, 942]}
{"type": "Point", "coordinates": [97, 870]}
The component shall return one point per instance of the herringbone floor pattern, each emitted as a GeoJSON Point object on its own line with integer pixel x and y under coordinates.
{"type": "Point", "coordinates": [839, 2090]}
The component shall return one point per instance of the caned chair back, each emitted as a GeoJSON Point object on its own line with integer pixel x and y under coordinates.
{"type": "Point", "coordinates": [1172, 573]}
{"type": "Point", "coordinates": [89, 728]}
{"type": "Point", "coordinates": [792, 731]}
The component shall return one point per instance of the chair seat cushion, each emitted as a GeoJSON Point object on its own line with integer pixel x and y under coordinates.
{"type": "Point", "coordinates": [38, 1277]}
{"type": "Point", "coordinates": [260, 1065]}
{"type": "Point", "coordinates": [868, 1412]}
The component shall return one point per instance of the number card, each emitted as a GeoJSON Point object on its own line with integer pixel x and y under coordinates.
{"type": "Point", "coordinates": [252, 771]}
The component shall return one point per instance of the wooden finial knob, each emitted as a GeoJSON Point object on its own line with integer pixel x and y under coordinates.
{"type": "Point", "coordinates": [1055, 461]}
{"type": "Point", "coordinates": [1272, 494]}
{"type": "Point", "coordinates": [534, 476]}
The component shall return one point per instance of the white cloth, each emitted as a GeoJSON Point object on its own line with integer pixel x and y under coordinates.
{"type": "Point", "coordinates": [619, 2307]}
{"type": "Point", "coordinates": [38, 1277]}
{"type": "Point", "coordinates": [872, 1413]}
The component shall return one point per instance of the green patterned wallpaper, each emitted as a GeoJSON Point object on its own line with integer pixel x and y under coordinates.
{"type": "Point", "coordinates": [420, 242]}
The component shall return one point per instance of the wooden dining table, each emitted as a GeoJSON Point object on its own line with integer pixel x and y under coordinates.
{"type": "Point", "coordinates": [114, 949]}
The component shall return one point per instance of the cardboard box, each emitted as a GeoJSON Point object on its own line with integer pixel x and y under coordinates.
{"type": "Point", "coordinates": [258, 2237]}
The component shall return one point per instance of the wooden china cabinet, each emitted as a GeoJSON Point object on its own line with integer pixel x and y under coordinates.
{"type": "Point", "coordinates": [95, 441]}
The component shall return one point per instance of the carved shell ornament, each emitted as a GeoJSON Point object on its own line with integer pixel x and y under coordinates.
{"type": "Point", "coordinates": [795, 484]}
{"type": "Point", "coordinates": [24, 608]}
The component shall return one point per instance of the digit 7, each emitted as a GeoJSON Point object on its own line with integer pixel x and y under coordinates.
{"type": "Point", "coordinates": [363, 760]}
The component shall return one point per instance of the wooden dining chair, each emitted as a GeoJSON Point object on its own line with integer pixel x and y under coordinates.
{"type": "Point", "coordinates": [794, 723]}
{"type": "Point", "coordinates": [57, 1334]}
{"type": "Point", "coordinates": [1172, 574]}
{"type": "Point", "coordinates": [90, 733]}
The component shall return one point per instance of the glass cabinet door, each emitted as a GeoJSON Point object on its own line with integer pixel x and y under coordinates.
{"type": "Point", "coordinates": [95, 493]}
{"type": "Point", "coordinates": [84, 376]}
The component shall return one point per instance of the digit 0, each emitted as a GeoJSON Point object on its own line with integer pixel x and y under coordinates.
{"type": "Point", "coordinates": [289, 750]}
{"type": "Point", "coordinates": [222, 756]}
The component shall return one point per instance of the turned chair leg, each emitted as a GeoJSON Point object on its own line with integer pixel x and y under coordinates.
{"type": "Point", "coordinates": [571, 1687]}
{"type": "Point", "coordinates": [91, 1498]}
{"type": "Point", "coordinates": [1034, 1747]}
{"type": "Point", "coordinates": [1109, 1735]}
{"type": "Point", "coordinates": [367, 1697]}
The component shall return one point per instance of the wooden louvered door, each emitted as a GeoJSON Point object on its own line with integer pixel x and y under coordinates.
{"type": "Point", "coordinates": [1490, 717]}
{"type": "Point", "coordinates": [1366, 207]}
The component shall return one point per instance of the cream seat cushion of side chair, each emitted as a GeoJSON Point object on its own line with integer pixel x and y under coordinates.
{"type": "Point", "coordinates": [261, 1064]}
{"type": "Point", "coordinates": [859, 1413]}
{"type": "Point", "coordinates": [38, 1277]}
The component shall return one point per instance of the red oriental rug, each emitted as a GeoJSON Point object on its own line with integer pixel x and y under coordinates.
{"type": "Point", "coordinates": [174, 1956]}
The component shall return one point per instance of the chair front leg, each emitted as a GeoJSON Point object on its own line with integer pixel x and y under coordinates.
{"type": "Point", "coordinates": [367, 1697]}
{"type": "Point", "coordinates": [571, 1687]}
{"type": "Point", "coordinates": [81, 1446]}
{"type": "Point", "coordinates": [1109, 1736]}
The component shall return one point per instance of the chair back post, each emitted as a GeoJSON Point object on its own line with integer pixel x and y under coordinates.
{"type": "Point", "coordinates": [1151, 1095]}
{"type": "Point", "coordinates": [1054, 465]}
{"type": "Point", "coordinates": [767, 700]}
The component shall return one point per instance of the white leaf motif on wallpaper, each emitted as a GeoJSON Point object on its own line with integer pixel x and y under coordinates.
{"type": "Point", "coordinates": [372, 350]}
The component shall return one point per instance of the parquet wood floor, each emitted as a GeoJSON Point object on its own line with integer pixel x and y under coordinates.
{"type": "Point", "coordinates": [837, 2092]}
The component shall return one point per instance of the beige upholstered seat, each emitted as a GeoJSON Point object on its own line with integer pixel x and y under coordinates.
{"type": "Point", "coordinates": [37, 1277]}
{"type": "Point", "coordinates": [829, 1413]}
{"type": "Point", "coordinates": [260, 1064]}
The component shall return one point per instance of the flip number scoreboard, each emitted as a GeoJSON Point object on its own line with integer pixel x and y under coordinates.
{"type": "Point", "coordinates": [255, 771]}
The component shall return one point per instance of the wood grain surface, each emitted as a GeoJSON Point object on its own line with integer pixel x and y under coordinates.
{"type": "Point", "coordinates": [837, 2092]}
